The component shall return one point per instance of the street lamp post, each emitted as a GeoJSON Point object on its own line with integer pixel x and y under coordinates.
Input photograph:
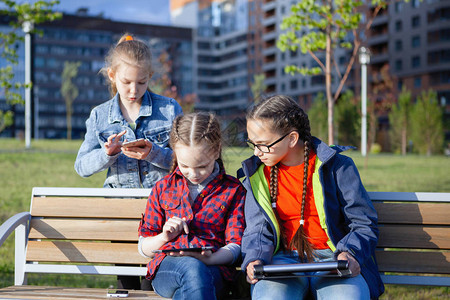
{"type": "Point", "coordinates": [27, 27]}
{"type": "Point", "coordinates": [364, 60]}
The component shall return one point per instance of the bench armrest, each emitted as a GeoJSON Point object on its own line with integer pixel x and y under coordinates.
{"type": "Point", "coordinates": [12, 223]}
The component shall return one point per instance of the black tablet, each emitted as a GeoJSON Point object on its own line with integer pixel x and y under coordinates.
{"type": "Point", "coordinates": [194, 249]}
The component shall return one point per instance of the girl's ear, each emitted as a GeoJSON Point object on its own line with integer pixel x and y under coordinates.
{"type": "Point", "coordinates": [293, 139]}
{"type": "Point", "coordinates": [111, 74]}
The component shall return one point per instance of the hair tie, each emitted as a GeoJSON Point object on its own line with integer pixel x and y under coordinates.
{"type": "Point", "coordinates": [128, 38]}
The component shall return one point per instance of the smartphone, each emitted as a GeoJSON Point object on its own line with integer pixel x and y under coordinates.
{"type": "Point", "coordinates": [195, 249]}
{"type": "Point", "coordinates": [135, 143]}
{"type": "Point", "coordinates": [117, 293]}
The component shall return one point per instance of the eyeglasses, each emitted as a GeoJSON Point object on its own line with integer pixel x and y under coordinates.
{"type": "Point", "coordinates": [265, 148]}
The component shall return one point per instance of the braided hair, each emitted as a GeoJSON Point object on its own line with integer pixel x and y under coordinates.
{"type": "Point", "coordinates": [193, 129]}
{"type": "Point", "coordinates": [285, 115]}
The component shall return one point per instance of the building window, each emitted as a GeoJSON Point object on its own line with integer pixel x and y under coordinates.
{"type": "Point", "coordinates": [398, 65]}
{"type": "Point", "coordinates": [415, 41]}
{"type": "Point", "coordinates": [398, 26]}
{"type": "Point", "coordinates": [415, 61]}
{"type": "Point", "coordinates": [398, 7]}
{"type": "Point", "coordinates": [398, 45]}
{"type": "Point", "coordinates": [415, 21]}
{"type": "Point", "coordinates": [294, 84]}
{"type": "Point", "coordinates": [399, 84]}
{"type": "Point", "coordinates": [417, 82]}
{"type": "Point", "coordinates": [415, 3]}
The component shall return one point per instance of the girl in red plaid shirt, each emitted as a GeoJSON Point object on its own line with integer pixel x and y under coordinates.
{"type": "Point", "coordinates": [196, 205]}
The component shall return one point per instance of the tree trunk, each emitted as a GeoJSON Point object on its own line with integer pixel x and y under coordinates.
{"type": "Point", "coordinates": [404, 141]}
{"type": "Point", "coordinates": [69, 120]}
{"type": "Point", "coordinates": [330, 99]}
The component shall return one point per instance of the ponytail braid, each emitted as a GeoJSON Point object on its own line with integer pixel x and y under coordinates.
{"type": "Point", "coordinates": [273, 199]}
{"type": "Point", "coordinates": [300, 240]}
{"type": "Point", "coordinates": [174, 138]}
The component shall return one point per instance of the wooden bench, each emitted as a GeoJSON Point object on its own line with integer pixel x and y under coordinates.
{"type": "Point", "coordinates": [89, 230]}
{"type": "Point", "coordinates": [414, 237]}
{"type": "Point", "coordinates": [77, 231]}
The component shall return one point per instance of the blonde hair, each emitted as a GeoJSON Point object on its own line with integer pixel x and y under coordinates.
{"type": "Point", "coordinates": [196, 128]}
{"type": "Point", "coordinates": [130, 51]}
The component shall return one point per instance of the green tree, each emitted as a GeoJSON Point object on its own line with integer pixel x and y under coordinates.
{"type": "Point", "coordinates": [322, 26]}
{"type": "Point", "coordinates": [20, 14]}
{"type": "Point", "coordinates": [399, 121]}
{"type": "Point", "coordinates": [69, 91]}
{"type": "Point", "coordinates": [317, 114]}
{"type": "Point", "coordinates": [258, 87]}
{"type": "Point", "coordinates": [348, 119]}
{"type": "Point", "coordinates": [427, 124]}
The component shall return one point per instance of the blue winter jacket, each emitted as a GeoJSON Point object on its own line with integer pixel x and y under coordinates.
{"type": "Point", "coordinates": [351, 220]}
{"type": "Point", "coordinates": [153, 123]}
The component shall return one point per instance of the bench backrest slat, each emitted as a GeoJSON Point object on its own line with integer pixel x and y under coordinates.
{"type": "Point", "coordinates": [88, 207]}
{"type": "Point", "coordinates": [434, 262]}
{"type": "Point", "coordinates": [85, 229]}
{"type": "Point", "coordinates": [415, 237]}
{"type": "Point", "coordinates": [413, 213]}
{"type": "Point", "coordinates": [84, 252]}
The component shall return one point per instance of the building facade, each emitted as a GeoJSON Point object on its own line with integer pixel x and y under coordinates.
{"type": "Point", "coordinates": [410, 39]}
{"type": "Point", "coordinates": [87, 39]}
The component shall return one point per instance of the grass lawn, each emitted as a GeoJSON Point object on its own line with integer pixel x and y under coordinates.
{"type": "Point", "coordinates": [50, 163]}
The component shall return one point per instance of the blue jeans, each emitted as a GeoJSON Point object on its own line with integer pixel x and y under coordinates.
{"type": "Point", "coordinates": [320, 287]}
{"type": "Point", "coordinates": [187, 278]}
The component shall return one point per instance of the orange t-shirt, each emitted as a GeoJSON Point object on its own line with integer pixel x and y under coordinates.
{"type": "Point", "coordinates": [289, 203]}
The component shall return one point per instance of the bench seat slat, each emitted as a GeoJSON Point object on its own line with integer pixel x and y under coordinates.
{"type": "Point", "coordinates": [412, 236]}
{"type": "Point", "coordinates": [82, 229]}
{"type": "Point", "coordinates": [84, 252]}
{"type": "Point", "coordinates": [413, 213]}
{"type": "Point", "coordinates": [88, 207]}
{"type": "Point", "coordinates": [434, 262]}
{"type": "Point", "coordinates": [53, 292]}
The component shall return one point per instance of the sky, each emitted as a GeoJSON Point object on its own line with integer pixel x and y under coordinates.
{"type": "Point", "coordinates": [136, 11]}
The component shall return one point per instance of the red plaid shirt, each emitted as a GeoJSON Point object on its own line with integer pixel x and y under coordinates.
{"type": "Point", "coordinates": [215, 218]}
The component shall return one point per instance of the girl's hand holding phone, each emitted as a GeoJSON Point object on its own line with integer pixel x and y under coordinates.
{"type": "Point", "coordinates": [113, 144]}
{"type": "Point", "coordinates": [138, 152]}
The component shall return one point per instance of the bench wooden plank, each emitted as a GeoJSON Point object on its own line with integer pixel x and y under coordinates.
{"type": "Point", "coordinates": [82, 229]}
{"type": "Point", "coordinates": [413, 213]}
{"type": "Point", "coordinates": [54, 292]}
{"type": "Point", "coordinates": [433, 262]}
{"type": "Point", "coordinates": [412, 236]}
{"type": "Point", "coordinates": [84, 252]}
{"type": "Point", "coordinates": [88, 207]}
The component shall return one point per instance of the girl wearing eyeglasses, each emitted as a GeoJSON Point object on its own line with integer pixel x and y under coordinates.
{"type": "Point", "coordinates": [305, 202]}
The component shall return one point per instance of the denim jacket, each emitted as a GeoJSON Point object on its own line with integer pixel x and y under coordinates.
{"type": "Point", "coordinates": [153, 123]}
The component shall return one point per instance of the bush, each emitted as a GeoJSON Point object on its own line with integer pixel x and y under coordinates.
{"type": "Point", "coordinates": [375, 148]}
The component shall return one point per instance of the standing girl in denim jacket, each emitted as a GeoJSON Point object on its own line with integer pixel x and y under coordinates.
{"type": "Point", "coordinates": [134, 112]}
{"type": "Point", "coordinates": [305, 202]}
{"type": "Point", "coordinates": [196, 205]}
